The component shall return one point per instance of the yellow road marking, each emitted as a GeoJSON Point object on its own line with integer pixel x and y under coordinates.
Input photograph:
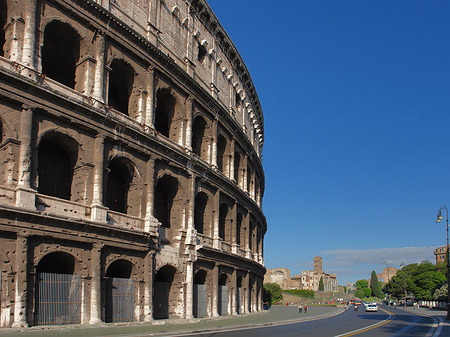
{"type": "Point", "coordinates": [376, 325]}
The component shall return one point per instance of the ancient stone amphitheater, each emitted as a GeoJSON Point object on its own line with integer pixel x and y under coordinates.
{"type": "Point", "coordinates": [131, 178]}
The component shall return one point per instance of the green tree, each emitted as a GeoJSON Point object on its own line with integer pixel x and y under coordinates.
{"type": "Point", "coordinates": [272, 293]}
{"type": "Point", "coordinates": [361, 284]}
{"type": "Point", "coordinates": [321, 285]}
{"type": "Point", "coordinates": [374, 284]}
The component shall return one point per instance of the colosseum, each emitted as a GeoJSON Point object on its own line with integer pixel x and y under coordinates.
{"type": "Point", "coordinates": [131, 176]}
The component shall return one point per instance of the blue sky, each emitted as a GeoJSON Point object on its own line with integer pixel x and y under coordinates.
{"type": "Point", "coordinates": [356, 101]}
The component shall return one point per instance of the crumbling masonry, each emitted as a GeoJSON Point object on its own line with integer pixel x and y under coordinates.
{"type": "Point", "coordinates": [131, 178]}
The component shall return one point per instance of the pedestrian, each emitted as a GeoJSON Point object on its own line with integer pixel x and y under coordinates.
{"type": "Point", "coordinates": [306, 308]}
{"type": "Point", "coordinates": [300, 308]}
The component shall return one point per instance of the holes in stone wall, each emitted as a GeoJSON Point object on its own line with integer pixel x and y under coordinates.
{"type": "Point", "coordinates": [198, 137]}
{"type": "Point", "coordinates": [117, 186]}
{"type": "Point", "coordinates": [201, 200]}
{"type": "Point", "coordinates": [60, 52]}
{"type": "Point", "coordinates": [166, 189]}
{"type": "Point", "coordinates": [164, 112]}
{"type": "Point", "coordinates": [121, 78]}
{"type": "Point", "coordinates": [221, 148]}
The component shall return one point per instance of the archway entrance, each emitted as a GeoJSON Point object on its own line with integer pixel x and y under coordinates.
{"type": "Point", "coordinates": [119, 292]}
{"type": "Point", "coordinates": [161, 292]}
{"type": "Point", "coordinates": [200, 294]}
{"type": "Point", "coordinates": [58, 291]}
{"type": "Point", "coordinates": [223, 295]}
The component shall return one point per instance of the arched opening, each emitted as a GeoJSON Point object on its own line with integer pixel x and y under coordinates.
{"type": "Point", "coordinates": [221, 148]}
{"type": "Point", "coordinates": [166, 190]}
{"type": "Point", "coordinates": [250, 295]}
{"type": "Point", "coordinates": [250, 236]}
{"type": "Point", "coordinates": [238, 294]}
{"type": "Point", "coordinates": [238, 228]}
{"type": "Point", "coordinates": [198, 137]}
{"type": "Point", "coordinates": [237, 166]}
{"type": "Point", "coordinates": [118, 185]}
{"type": "Point", "coordinates": [3, 16]}
{"type": "Point", "coordinates": [55, 168]}
{"type": "Point", "coordinates": [58, 291]}
{"type": "Point", "coordinates": [223, 212]}
{"type": "Point", "coordinates": [121, 78]}
{"type": "Point", "coordinates": [119, 292]}
{"type": "Point", "coordinates": [200, 304]}
{"type": "Point", "coordinates": [164, 112]}
{"type": "Point", "coordinates": [201, 200]}
{"type": "Point", "coordinates": [60, 52]}
{"type": "Point", "coordinates": [223, 295]}
{"type": "Point", "coordinates": [163, 293]}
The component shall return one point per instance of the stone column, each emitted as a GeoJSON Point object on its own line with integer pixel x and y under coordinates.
{"type": "Point", "coordinates": [150, 221]}
{"type": "Point", "coordinates": [247, 235]}
{"type": "Point", "coordinates": [99, 81]}
{"type": "Point", "coordinates": [25, 196]}
{"type": "Point", "coordinates": [188, 124]}
{"type": "Point", "coordinates": [96, 284]}
{"type": "Point", "coordinates": [213, 157]}
{"type": "Point", "coordinates": [246, 296]}
{"type": "Point", "coordinates": [215, 229]}
{"type": "Point", "coordinates": [29, 37]}
{"type": "Point", "coordinates": [149, 109]}
{"type": "Point", "coordinates": [142, 103]}
{"type": "Point", "coordinates": [215, 291]}
{"type": "Point", "coordinates": [191, 203]}
{"type": "Point", "coordinates": [21, 284]}
{"type": "Point", "coordinates": [148, 287]}
{"type": "Point", "coordinates": [189, 309]}
{"type": "Point", "coordinates": [233, 292]}
{"type": "Point", "coordinates": [98, 210]}
{"type": "Point", "coordinates": [244, 173]}
{"type": "Point", "coordinates": [231, 162]}
{"type": "Point", "coordinates": [234, 232]}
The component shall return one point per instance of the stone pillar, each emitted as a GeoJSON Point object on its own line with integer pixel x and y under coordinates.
{"type": "Point", "coordinates": [191, 203]}
{"type": "Point", "coordinates": [233, 292]}
{"type": "Point", "coordinates": [246, 296]}
{"type": "Point", "coordinates": [188, 124]}
{"type": "Point", "coordinates": [148, 287]}
{"type": "Point", "coordinates": [231, 161]}
{"type": "Point", "coordinates": [149, 109]}
{"type": "Point", "coordinates": [215, 229]}
{"type": "Point", "coordinates": [247, 235]}
{"type": "Point", "coordinates": [99, 81]}
{"type": "Point", "coordinates": [98, 210]}
{"type": "Point", "coordinates": [244, 175]}
{"type": "Point", "coordinates": [29, 37]}
{"type": "Point", "coordinates": [96, 284]}
{"type": "Point", "coordinates": [150, 221]}
{"type": "Point", "coordinates": [142, 103]}
{"type": "Point", "coordinates": [189, 308]}
{"type": "Point", "coordinates": [20, 291]}
{"type": "Point", "coordinates": [234, 232]}
{"type": "Point", "coordinates": [215, 291]}
{"type": "Point", "coordinates": [25, 196]}
{"type": "Point", "coordinates": [213, 158]}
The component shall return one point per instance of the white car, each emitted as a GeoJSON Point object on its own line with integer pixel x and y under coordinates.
{"type": "Point", "coordinates": [371, 307]}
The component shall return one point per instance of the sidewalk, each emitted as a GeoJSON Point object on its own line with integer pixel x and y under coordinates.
{"type": "Point", "coordinates": [444, 326]}
{"type": "Point", "coordinates": [273, 316]}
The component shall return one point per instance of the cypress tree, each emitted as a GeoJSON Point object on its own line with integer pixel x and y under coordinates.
{"type": "Point", "coordinates": [321, 285]}
{"type": "Point", "coordinates": [374, 284]}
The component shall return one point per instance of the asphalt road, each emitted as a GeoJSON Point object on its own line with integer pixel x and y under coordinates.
{"type": "Point", "coordinates": [386, 322]}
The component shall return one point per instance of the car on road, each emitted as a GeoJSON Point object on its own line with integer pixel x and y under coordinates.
{"type": "Point", "coordinates": [371, 307]}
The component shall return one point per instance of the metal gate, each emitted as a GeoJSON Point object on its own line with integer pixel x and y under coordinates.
{"type": "Point", "coordinates": [223, 300]}
{"type": "Point", "coordinates": [200, 300]}
{"type": "Point", "coordinates": [119, 300]}
{"type": "Point", "coordinates": [161, 299]}
{"type": "Point", "coordinates": [58, 299]}
{"type": "Point", "coordinates": [238, 300]}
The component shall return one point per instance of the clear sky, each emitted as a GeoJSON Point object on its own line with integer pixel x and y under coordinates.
{"type": "Point", "coordinates": [356, 101]}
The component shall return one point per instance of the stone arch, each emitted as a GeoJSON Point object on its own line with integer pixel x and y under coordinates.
{"type": "Point", "coordinates": [239, 294]}
{"type": "Point", "coordinates": [200, 294]}
{"type": "Point", "coordinates": [120, 85]}
{"type": "Point", "coordinates": [223, 295]}
{"type": "Point", "coordinates": [60, 52]}
{"type": "Point", "coordinates": [200, 204]}
{"type": "Point", "coordinates": [122, 172]}
{"type": "Point", "coordinates": [239, 218]}
{"type": "Point", "coordinates": [167, 291]}
{"type": "Point", "coordinates": [56, 262]}
{"type": "Point", "coordinates": [57, 155]}
{"type": "Point", "coordinates": [222, 160]}
{"type": "Point", "coordinates": [199, 137]}
{"type": "Point", "coordinates": [165, 110]}
{"type": "Point", "coordinates": [166, 190]}
{"type": "Point", "coordinates": [223, 213]}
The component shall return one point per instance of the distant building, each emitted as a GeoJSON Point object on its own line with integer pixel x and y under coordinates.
{"type": "Point", "coordinates": [440, 254]}
{"type": "Point", "coordinates": [387, 273]}
{"type": "Point", "coordinates": [280, 276]}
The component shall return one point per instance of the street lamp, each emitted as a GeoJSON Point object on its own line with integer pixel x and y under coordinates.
{"type": "Point", "coordinates": [438, 219]}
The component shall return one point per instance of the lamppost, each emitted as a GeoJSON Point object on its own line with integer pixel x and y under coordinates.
{"type": "Point", "coordinates": [438, 219]}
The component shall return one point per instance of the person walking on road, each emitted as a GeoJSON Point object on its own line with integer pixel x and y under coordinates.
{"type": "Point", "coordinates": [300, 308]}
{"type": "Point", "coordinates": [306, 308]}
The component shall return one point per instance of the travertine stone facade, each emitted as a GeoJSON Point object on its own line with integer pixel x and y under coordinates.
{"type": "Point", "coordinates": [131, 179]}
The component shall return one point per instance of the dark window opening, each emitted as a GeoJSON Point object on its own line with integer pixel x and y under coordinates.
{"type": "Point", "coordinates": [60, 52]}
{"type": "Point", "coordinates": [223, 212]}
{"type": "Point", "coordinates": [223, 280]}
{"type": "Point", "coordinates": [237, 98]}
{"type": "Point", "coordinates": [165, 108]}
{"type": "Point", "coordinates": [117, 186]}
{"type": "Point", "coordinates": [201, 200]}
{"type": "Point", "coordinates": [237, 165]}
{"type": "Point", "coordinates": [165, 274]}
{"type": "Point", "coordinates": [221, 147]}
{"type": "Point", "coordinates": [200, 277]}
{"type": "Point", "coordinates": [121, 79]}
{"type": "Point", "coordinates": [166, 189]}
{"type": "Point", "coordinates": [238, 228]}
{"type": "Point", "coordinates": [57, 263]}
{"type": "Point", "coordinates": [198, 133]}
{"type": "Point", "coordinates": [119, 269]}
{"type": "Point", "coordinates": [201, 53]}
{"type": "Point", "coordinates": [54, 170]}
{"type": "Point", "coordinates": [3, 16]}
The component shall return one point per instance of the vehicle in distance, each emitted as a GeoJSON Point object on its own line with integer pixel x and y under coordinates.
{"type": "Point", "coordinates": [371, 307]}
